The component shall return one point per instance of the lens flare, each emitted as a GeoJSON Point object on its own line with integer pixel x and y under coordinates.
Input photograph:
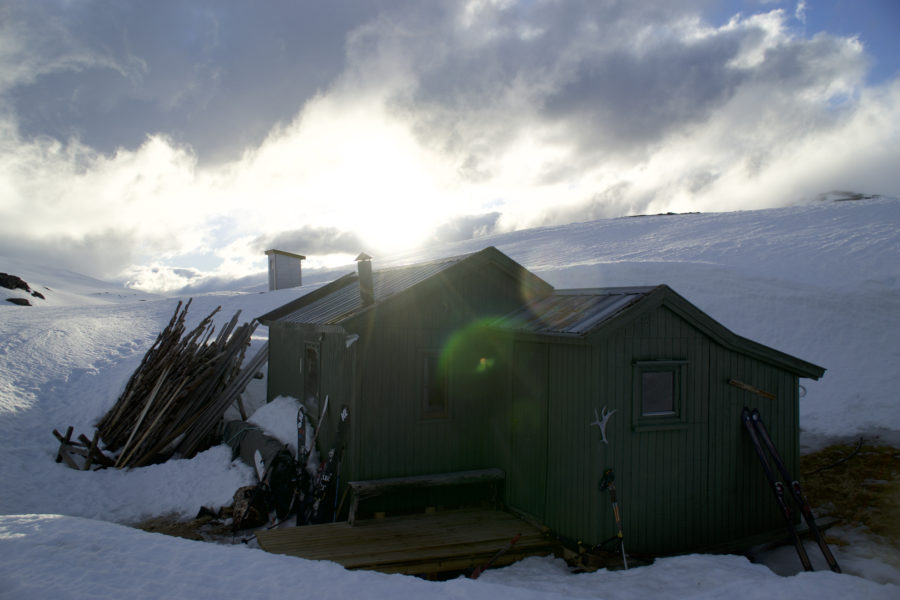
{"type": "Point", "coordinates": [474, 348]}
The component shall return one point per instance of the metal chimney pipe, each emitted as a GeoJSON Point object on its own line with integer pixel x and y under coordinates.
{"type": "Point", "coordinates": [366, 284]}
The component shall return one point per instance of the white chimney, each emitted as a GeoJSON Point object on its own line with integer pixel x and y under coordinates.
{"type": "Point", "coordinates": [284, 269]}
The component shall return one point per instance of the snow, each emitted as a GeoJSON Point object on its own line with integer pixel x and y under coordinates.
{"type": "Point", "coordinates": [53, 557]}
{"type": "Point", "coordinates": [61, 287]}
{"type": "Point", "coordinates": [278, 419]}
{"type": "Point", "coordinates": [819, 281]}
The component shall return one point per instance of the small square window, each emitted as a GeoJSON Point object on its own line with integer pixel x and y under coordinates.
{"type": "Point", "coordinates": [658, 394]}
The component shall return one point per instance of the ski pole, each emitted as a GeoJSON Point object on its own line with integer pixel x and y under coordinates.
{"type": "Point", "coordinates": [608, 482]}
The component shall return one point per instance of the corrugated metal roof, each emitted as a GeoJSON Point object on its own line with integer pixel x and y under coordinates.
{"type": "Point", "coordinates": [344, 302]}
{"type": "Point", "coordinates": [572, 312]}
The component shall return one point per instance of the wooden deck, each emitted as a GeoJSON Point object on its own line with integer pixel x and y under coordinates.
{"type": "Point", "coordinates": [415, 545]}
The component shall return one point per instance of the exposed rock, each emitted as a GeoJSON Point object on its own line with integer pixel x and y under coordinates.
{"type": "Point", "coordinates": [13, 282]}
{"type": "Point", "coordinates": [19, 301]}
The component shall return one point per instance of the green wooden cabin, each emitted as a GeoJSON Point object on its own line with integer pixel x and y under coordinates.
{"type": "Point", "coordinates": [382, 344]}
{"type": "Point", "coordinates": [474, 362]}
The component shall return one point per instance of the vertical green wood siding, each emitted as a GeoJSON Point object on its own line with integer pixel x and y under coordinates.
{"type": "Point", "coordinates": [444, 316]}
{"type": "Point", "coordinates": [680, 488]}
{"type": "Point", "coordinates": [683, 488]}
{"type": "Point", "coordinates": [661, 475]}
{"type": "Point", "coordinates": [572, 466]}
{"type": "Point", "coordinates": [527, 470]}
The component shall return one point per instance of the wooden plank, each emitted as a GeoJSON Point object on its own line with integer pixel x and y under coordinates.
{"type": "Point", "coordinates": [749, 388]}
{"type": "Point", "coordinates": [378, 486]}
{"type": "Point", "coordinates": [425, 530]}
{"type": "Point", "coordinates": [414, 564]}
{"type": "Point", "coordinates": [368, 489]}
{"type": "Point", "coordinates": [481, 549]}
{"type": "Point", "coordinates": [412, 544]}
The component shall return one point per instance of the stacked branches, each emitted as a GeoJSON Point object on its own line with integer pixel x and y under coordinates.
{"type": "Point", "coordinates": [175, 399]}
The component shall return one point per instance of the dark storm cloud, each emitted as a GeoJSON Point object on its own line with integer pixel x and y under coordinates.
{"type": "Point", "coordinates": [311, 241]}
{"type": "Point", "coordinates": [603, 77]}
{"type": "Point", "coordinates": [606, 76]}
{"type": "Point", "coordinates": [623, 99]}
{"type": "Point", "coordinates": [579, 64]}
{"type": "Point", "coordinates": [212, 74]}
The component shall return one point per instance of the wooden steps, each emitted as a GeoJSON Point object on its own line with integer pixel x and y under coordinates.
{"type": "Point", "coordinates": [414, 545]}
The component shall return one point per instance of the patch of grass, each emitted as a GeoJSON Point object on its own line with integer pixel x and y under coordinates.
{"type": "Point", "coordinates": [857, 484]}
{"type": "Point", "coordinates": [205, 527]}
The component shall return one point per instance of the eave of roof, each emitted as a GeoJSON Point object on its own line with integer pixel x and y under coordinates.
{"type": "Point", "coordinates": [583, 313]}
{"type": "Point", "coordinates": [731, 340]}
{"type": "Point", "coordinates": [283, 253]}
{"type": "Point", "coordinates": [307, 299]}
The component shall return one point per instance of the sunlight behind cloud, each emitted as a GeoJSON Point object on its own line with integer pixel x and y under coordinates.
{"type": "Point", "coordinates": [450, 122]}
{"type": "Point", "coordinates": [352, 165]}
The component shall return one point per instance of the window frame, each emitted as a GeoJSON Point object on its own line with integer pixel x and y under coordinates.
{"type": "Point", "coordinates": [674, 419]}
{"type": "Point", "coordinates": [429, 361]}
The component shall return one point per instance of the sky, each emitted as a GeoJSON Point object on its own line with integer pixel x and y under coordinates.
{"type": "Point", "coordinates": [169, 144]}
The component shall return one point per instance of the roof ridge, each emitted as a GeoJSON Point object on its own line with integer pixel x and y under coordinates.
{"type": "Point", "coordinates": [436, 261]}
{"type": "Point", "coordinates": [606, 291]}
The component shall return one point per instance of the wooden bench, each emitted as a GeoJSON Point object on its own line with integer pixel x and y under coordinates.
{"type": "Point", "coordinates": [360, 490]}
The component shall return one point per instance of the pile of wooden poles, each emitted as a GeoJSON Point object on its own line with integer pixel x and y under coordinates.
{"type": "Point", "coordinates": [176, 398]}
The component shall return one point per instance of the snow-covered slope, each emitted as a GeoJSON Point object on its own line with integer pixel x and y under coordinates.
{"type": "Point", "coordinates": [820, 281]}
{"type": "Point", "coordinates": [60, 287]}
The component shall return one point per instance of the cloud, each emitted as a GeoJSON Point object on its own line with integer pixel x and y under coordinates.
{"type": "Point", "coordinates": [136, 140]}
{"type": "Point", "coordinates": [312, 240]}
{"type": "Point", "coordinates": [38, 43]}
{"type": "Point", "coordinates": [800, 11]}
{"type": "Point", "coordinates": [609, 77]}
{"type": "Point", "coordinates": [621, 81]}
{"type": "Point", "coordinates": [71, 200]}
{"type": "Point", "coordinates": [466, 228]}
{"type": "Point", "coordinates": [97, 254]}
{"type": "Point", "coordinates": [213, 75]}
{"type": "Point", "coordinates": [624, 109]}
